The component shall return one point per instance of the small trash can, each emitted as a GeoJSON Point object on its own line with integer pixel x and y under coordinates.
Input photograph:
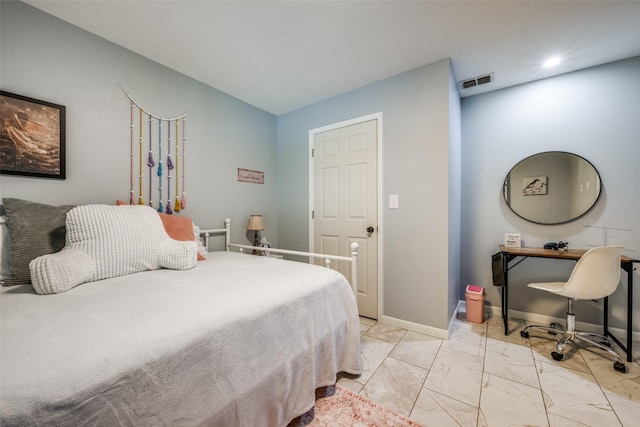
{"type": "Point", "coordinates": [474, 296]}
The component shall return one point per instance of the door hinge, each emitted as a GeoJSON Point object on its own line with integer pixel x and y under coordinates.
{"type": "Point", "coordinates": [313, 152]}
{"type": "Point", "coordinates": [313, 214]}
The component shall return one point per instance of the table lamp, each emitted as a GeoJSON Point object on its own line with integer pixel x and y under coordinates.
{"type": "Point", "coordinates": [255, 225]}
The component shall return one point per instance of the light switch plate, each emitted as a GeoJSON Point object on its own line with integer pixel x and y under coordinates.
{"type": "Point", "coordinates": [393, 201]}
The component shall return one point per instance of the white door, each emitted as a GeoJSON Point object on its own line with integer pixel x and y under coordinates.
{"type": "Point", "coordinates": [345, 203]}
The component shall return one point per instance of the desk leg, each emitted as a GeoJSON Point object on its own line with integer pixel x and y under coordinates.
{"type": "Point", "coordinates": [630, 313]}
{"type": "Point", "coordinates": [505, 294]}
{"type": "Point", "coordinates": [607, 333]}
{"type": "Point", "coordinates": [605, 321]}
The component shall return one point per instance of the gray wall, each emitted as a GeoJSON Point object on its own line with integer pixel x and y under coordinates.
{"type": "Point", "coordinates": [455, 196]}
{"type": "Point", "coordinates": [416, 155]}
{"type": "Point", "coordinates": [428, 257]}
{"type": "Point", "coordinates": [48, 59]}
{"type": "Point", "coordinates": [593, 113]}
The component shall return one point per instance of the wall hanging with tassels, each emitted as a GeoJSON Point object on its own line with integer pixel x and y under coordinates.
{"type": "Point", "coordinates": [175, 165]}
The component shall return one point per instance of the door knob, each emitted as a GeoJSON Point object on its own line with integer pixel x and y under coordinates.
{"type": "Point", "coordinates": [369, 229]}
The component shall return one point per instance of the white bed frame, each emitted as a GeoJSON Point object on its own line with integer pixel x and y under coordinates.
{"type": "Point", "coordinates": [353, 259]}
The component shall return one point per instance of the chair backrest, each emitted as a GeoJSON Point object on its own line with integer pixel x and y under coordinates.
{"type": "Point", "coordinates": [596, 275]}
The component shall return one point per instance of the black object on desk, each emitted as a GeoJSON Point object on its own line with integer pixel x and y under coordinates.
{"type": "Point", "coordinates": [509, 254]}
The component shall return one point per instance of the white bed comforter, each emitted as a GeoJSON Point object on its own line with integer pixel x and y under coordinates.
{"type": "Point", "coordinates": [239, 340]}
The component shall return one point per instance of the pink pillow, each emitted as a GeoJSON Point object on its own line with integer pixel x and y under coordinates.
{"type": "Point", "coordinates": [179, 228]}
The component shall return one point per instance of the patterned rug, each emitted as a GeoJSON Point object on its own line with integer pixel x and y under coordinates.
{"type": "Point", "coordinates": [338, 407]}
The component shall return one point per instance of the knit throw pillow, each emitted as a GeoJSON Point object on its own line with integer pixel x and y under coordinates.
{"type": "Point", "coordinates": [34, 229]}
{"type": "Point", "coordinates": [117, 240]}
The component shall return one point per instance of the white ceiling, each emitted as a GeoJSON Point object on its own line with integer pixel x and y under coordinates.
{"type": "Point", "coordinates": [283, 55]}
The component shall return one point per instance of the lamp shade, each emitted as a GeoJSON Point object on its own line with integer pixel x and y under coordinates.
{"type": "Point", "coordinates": [255, 223]}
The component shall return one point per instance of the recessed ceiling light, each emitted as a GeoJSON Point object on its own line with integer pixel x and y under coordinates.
{"type": "Point", "coordinates": [552, 62]}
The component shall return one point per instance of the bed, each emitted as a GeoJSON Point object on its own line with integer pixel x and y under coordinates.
{"type": "Point", "coordinates": [238, 340]}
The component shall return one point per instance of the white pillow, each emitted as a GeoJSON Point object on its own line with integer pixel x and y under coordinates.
{"type": "Point", "coordinates": [117, 240]}
{"type": "Point", "coordinates": [196, 234]}
{"type": "Point", "coordinates": [61, 271]}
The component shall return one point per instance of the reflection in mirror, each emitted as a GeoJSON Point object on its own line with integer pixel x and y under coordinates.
{"type": "Point", "coordinates": [552, 188]}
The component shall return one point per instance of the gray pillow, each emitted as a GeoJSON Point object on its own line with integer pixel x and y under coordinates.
{"type": "Point", "coordinates": [35, 229]}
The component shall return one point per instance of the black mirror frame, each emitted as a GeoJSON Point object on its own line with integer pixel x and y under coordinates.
{"type": "Point", "coordinates": [595, 202]}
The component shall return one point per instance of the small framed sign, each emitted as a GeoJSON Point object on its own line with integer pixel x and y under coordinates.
{"type": "Point", "coordinates": [246, 175]}
{"type": "Point", "coordinates": [512, 240]}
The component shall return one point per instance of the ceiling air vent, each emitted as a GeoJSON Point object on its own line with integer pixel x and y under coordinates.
{"type": "Point", "coordinates": [476, 81]}
{"type": "Point", "coordinates": [469, 83]}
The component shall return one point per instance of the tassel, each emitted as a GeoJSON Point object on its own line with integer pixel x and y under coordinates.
{"type": "Point", "coordinates": [183, 202]}
{"type": "Point", "coordinates": [160, 207]}
{"type": "Point", "coordinates": [160, 169]}
{"type": "Point", "coordinates": [169, 163]}
{"type": "Point", "coordinates": [150, 162]}
{"type": "Point", "coordinates": [131, 198]}
{"type": "Point", "coordinates": [176, 207]}
{"type": "Point", "coordinates": [140, 201]}
{"type": "Point", "coordinates": [169, 211]}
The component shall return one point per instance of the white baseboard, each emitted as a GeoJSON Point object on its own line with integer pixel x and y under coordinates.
{"type": "Point", "coordinates": [455, 315]}
{"type": "Point", "coordinates": [541, 319]}
{"type": "Point", "coordinates": [417, 327]}
{"type": "Point", "coordinates": [621, 334]}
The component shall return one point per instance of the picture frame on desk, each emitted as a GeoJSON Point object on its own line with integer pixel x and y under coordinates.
{"type": "Point", "coordinates": [512, 240]}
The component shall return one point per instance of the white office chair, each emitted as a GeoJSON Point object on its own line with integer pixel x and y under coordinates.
{"type": "Point", "coordinates": [595, 276]}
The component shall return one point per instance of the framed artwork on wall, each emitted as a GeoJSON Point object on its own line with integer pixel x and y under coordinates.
{"type": "Point", "coordinates": [534, 186]}
{"type": "Point", "coordinates": [32, 137]}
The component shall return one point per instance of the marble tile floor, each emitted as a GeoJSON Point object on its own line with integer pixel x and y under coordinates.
{"type": "Point", "coordinates": [480, 377]}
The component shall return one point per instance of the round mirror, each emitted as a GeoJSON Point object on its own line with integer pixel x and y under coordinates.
{"type": "Point", "coordinates": [552, 188]}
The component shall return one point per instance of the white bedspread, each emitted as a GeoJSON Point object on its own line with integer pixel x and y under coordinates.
{"type": "Point", "coordinates": [239, 340]}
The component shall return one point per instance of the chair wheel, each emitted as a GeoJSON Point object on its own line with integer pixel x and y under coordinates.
{"type": "Point", "coordinates": [620, 367]}
{"type": "Point", "coordinates": [557, 356]}
{"type": "Point", "coordinates": [524, 334]}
